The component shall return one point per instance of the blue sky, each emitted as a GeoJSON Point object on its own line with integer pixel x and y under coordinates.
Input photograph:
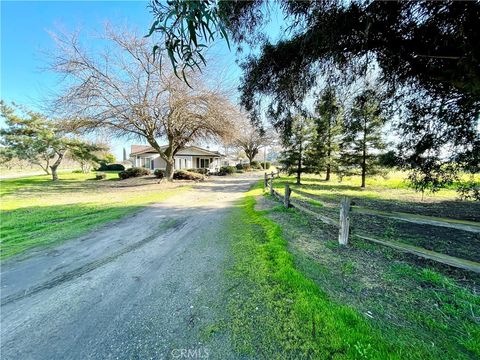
{"type": "Point", "coordinates": [25, 39]}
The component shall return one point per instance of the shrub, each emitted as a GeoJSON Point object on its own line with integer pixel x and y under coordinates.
{"type": "Point", "coordinates": [187, 175]}
{"type": "Point", "coordinates": [255, 165]}
{"type": "Point", "coordinates": [199, 171]}
{"type": "Point", "coordinates": [239, 166]}
{"type": "Point", "coordinates": [226, 170]}
{"type": "Point", "coordinates": [111, 167]}
{"type": "Point", "coordinates": [469, 191]}
{"type": "Point", "coordinates": [133, 172]}
{"type": "Point", "coordinates": [159, 173]}
{"type": "Point", "coordinates": [246, 167]}
{"type": "Point", "coordinates": [100, 176]}
{"type": "Point", "coordinates": [266, 165]}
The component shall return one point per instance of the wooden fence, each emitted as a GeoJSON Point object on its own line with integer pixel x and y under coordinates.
{"type": "Point", "coordinates": [343, 224]}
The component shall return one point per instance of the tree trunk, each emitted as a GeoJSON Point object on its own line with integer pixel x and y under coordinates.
{"type": "Point", "coordinates": [55, 165]}
{"type": "Point", "coordinates": [363, 175]}
{"type": "Point", "coordinates": [329, 151]}
{"type": "Point", "coordinates": [170, 169]}
{"type": "Point", "coordinates": [364, 154]}
{"type": "Point", "coordinates": [299, 166]}
{"type": "Point", "coordinates": [54, 173]}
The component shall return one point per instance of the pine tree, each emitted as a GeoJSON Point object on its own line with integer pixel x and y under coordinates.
{"type": "Point", "coordinates": [363, 135]}
{"type": "Point", "coordinates": [296, 146]}
{"type": "Point", "coordinates": [325, 146]}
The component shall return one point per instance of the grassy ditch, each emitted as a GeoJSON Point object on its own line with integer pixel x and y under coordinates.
{"type": "Point", "coordinates": [291, 300]}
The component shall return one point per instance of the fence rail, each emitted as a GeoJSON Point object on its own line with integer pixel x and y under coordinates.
{"type": "Point", "coordinates": [344, 224]}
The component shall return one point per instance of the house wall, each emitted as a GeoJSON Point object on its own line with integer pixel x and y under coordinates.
{"type": "Point", "coordinates": [181, 161]}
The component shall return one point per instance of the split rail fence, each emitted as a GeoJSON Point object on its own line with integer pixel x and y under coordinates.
{"type": "Point", "coordinates": [343, 224]}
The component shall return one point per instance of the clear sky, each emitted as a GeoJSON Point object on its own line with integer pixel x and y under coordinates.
{"type": "Point", "coordinates": [24, 37]}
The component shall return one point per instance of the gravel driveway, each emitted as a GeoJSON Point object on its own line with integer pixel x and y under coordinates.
{"type": "Point", "coordinates": [144, 287]}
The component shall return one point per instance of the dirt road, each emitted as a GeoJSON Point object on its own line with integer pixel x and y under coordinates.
{"type": "Point", "coordinates": [143, 287]}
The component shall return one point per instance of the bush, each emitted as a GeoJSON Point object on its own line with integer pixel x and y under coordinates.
{"type": "Point", "coordinates": [133, 172]}
{"type": "Point", "coordinates": [469, 191]}
{"type": "Point", "coordinates": [226, 170]}
{"type": "Point", "coordinates": [100, 176]}
{"type": "Point", "coordinates": [159, 173]}
{"type": "Point", "coordinates": [199, 171]}
{"type": "Point", "coordinates": [111, 167]}
{"type": "Point", "coordinates": [239, 166]}
{"type": "Point", "coordinates": [246, 167]}
{"type": "Point", "coordinates": [266, 165]}
{"type": "Point", "coordinates": [187, 175]}
{"type": "Point", "coordinates": [255, 165]}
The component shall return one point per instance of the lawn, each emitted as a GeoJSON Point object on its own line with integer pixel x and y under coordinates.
{"type": "Point", "coordinates": [36, 211]}
{"type": "Point", "coordinates": [296, 294]}
{"type": "Point", "coordinates": [392, 194]}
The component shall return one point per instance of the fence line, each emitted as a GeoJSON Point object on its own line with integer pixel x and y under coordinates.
{"type": "Point", "coordinates": [464, 225]}
{"type": "Point", "coordinates": [344, 226]}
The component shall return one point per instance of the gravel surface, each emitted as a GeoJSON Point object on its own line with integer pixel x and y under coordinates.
{"type": "Point", "coordinates": [144, 287]}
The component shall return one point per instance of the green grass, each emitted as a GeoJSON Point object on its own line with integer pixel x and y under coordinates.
{"type": "Point", "coordinates": [279, 312]}
{"type": "Point", "coordinates": [279, 308]}
{"type": "Point", "coordinates": [38, 212]}
{"type": "Point", "coordinates": [387, 195]}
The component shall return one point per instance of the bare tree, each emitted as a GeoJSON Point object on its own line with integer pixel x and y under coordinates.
{"type": "Point", "coordinates": [251, 139]}
{"type": "Point", "coordinates": [124, 89]}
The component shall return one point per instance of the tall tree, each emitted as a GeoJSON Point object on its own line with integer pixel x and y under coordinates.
{"type": "Point", "coordinates": [363, 134]}
{"type": "Point", "coordinates": [123, 88]}
{"type": "Point", "coordinates": [295, 146]}
{"type": "Point", "coordinates": [31, 136]}
{"type": "Point", "coordinates": [323, 152]}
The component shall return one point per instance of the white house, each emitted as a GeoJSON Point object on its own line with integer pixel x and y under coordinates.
{"type": "Point", "coordinates": [190, 157]}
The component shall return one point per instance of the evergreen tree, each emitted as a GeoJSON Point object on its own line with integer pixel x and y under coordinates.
{"type": "Point", "coordinates": [296, 146]}
{"type": "Point", "coordinates": [363, 135]}
{"type": "Point", "coordinates": [325, 145]}
{"type": "Point", "coordinates": [32, 137]}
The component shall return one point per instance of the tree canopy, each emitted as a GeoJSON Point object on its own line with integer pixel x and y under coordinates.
{"type": "Point", "coordinates": [426, 54]}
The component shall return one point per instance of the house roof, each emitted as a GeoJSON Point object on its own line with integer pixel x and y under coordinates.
{"type": "Point", "coordinates": [146, 149]}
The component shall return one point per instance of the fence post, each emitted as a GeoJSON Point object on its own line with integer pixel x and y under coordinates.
{"type": "Point", "coordinates": [278, 174]}
{"type": "Point", "coordinates": [265, 182]}
{"type": "Point", "coordinates": [286, 199]}
{"type": "Point", "coordinates": [271, 186]}
{"type": "Point", "coordinates": [344, 221]}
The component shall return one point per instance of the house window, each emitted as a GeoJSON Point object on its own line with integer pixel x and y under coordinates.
{"type": "Point", "coordinates": [148, 163]}
{"type": "Point", "coordinates": [204, 163]}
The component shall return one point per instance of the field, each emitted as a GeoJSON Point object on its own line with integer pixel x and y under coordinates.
{"type": "Point", "coordinates": [391, 194]}
{"type": "Point", "coordinates": [297, 294]}
{"type": "Point", "coordinates": [36, 211]}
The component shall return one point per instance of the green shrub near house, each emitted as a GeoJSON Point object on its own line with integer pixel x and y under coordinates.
{"type": "Point", "coordinates": [266, 165]}
{"type": "Point", "coordinates": [227, 170]}
{"type": "Point", "coordinates": [111, 167]}
{"type": "Point", "coordinates": [255, 165]}
{"type": "Point", "coordinates": [199, 171]}
{"type": "Point", "coordinates": [187, 175]}
{"type": "Point", "coordinates": [159, 173]}
{"type": "Point", "coordinates": [133, 172]}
